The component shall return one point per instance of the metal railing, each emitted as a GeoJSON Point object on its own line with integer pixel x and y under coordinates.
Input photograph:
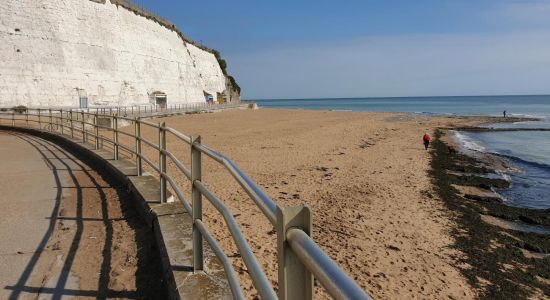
{"type": "Point", "coordinates": [145, 110]}
{"type": "Point", "coordinates": [300, 259]}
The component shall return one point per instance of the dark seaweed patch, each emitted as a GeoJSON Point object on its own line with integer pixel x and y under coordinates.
{"type": "Point", "coordinates": [487, 261]}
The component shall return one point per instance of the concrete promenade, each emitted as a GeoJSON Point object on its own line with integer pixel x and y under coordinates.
{"type": "Point", "coordinates": [64, 228]}
{"type": "Point", "coordinates": [28, 196]}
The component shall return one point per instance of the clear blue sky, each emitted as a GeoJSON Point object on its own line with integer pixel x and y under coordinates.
{"type": "Point", "coordinates": [356, 48]}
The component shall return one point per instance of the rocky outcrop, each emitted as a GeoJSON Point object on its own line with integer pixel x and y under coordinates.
{"type": "Point", "coordinates": [112, 53]}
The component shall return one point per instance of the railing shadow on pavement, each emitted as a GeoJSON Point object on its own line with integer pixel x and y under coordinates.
{"type": "Point", "coordinates": [60, 160]}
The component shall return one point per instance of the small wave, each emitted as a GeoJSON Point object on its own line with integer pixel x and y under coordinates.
{"type": "Point", "coordinates": [534, 116]}
{"type": "Point", "coordinates": [524, 161]}
{"type": "Point", "coordinates": [467, 142]}
{"type": "Point", "coordinates": [428, 113]}
{"type": "Point", "coordinates": [506, 177]}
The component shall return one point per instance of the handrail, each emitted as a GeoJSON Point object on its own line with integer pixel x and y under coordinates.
{"type": "Point", "coordinates": [126, 133]}
{"type": "Point", "coordinates": [231, 275]}
{"type": "Point", "coordinates": [157, 126]}
{"type": "Point", "coordinates": [265, 203]}
{"type": "Point", "coordinates": [178, 164]}
{"type": "Point", "coordinates": [336, 282]}
{"type": "Point", "coordinates": [268, 207]}
{"type": "Point", "coordinates": [258, 276]}
{"type": "Point", "coordinates": [150, 163]}
{"type": "Point", "coordinates": [179, 135]}
{"type": "Point", "coordinates": [179, 193]}
{"type": "Point", "coordinates": [151, 144]}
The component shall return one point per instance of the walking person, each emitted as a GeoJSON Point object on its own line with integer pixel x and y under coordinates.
{"type": "Point", "coordinates": [426, 139]}
{"type": "Point", "coordinates": [504, 114]}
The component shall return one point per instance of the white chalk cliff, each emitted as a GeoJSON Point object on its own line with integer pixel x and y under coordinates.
{"type": "Point", "coordinates": [52, 52]}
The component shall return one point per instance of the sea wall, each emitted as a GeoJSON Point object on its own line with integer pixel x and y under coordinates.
{"type": "Point", "coordinates": [53, 52]}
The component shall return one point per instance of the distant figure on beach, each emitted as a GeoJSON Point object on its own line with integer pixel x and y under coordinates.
{"type": "Point", "coordinates": [504, 113]}
{"type": "Point", "coordinates": [426, 139]}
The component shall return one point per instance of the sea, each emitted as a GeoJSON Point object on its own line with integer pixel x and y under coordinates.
{"type": "Point", "coordinates": [529, 151]}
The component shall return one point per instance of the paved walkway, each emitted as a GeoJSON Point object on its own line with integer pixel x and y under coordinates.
{"type": "Point", "coordinates": [27, 192]}
{"type": "Point", "coordinates": [64, 229]}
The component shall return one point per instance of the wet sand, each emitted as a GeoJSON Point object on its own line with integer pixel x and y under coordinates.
{"type": "Point", "coordinates": [365, 176]}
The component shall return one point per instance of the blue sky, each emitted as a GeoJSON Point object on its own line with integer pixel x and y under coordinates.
{"type": "Point", "coordinates": [360, 48]}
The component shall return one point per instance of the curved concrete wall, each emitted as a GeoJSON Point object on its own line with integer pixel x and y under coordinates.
{"type": "Point", "coordinates": [53, 51]}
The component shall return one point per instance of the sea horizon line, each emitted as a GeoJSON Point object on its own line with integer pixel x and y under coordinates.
{"type": "Point", "coordinates": [396, 97]}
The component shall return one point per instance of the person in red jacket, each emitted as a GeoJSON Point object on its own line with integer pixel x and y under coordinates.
{"type": "Point", "coordinates": [426, 139]}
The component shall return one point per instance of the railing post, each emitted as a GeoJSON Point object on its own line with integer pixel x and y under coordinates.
{"type": "Point", "coordinates": [39, 120]}
{"type": "Point", "coordinates": [196, 175]}
{"type": "Point", "coordinates": [56, 122]}
{"type": "Point", "coordinates": [61, 121]}
{"type": "Point", "coordinates": [71, 122]}
{"type": "Point", "coordinates": [162, 162]}
{"type": "Point", "coordinates": [83, 129]}
{"type": "Point", "coordinates": [295, 281]}
{"type": "Point", "coordinates": [12, 118]}
{"type": "Point", "coordinates": [137, 134]}
{"type": "Point", "coordinates": [50, 118]}
{"type": "Point", "coordinates": [27, 117]}
{"type": "Point", "coordinates": [115, 137]}
{"type": "Point", "coordinates": [96, 131]}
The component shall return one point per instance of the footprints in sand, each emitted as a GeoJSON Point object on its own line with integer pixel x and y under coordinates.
{"type": "Point", "coordinates": [291, 189]}
{"type": "Point", "coordinates": [327, 174]}
{"type": "Point", "coordinates": [379, 136]}
{"type": "Point", "coordinates": [284, 194]}
{"type": "Point", "coordinates": [366, 143]}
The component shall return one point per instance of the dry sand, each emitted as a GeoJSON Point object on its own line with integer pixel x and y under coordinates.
{"type": "Point", "coordinates": [363, 174]}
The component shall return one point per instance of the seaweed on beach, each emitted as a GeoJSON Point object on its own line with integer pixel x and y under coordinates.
{"type": "Point", "coordinates": [493, 261]}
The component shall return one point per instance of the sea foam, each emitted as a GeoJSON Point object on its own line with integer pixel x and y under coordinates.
{"type": "Point", "coordinates": [467, 142]}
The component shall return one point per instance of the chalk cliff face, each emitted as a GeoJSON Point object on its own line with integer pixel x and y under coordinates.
{"type": "Point", "coordinates": [53, 52]}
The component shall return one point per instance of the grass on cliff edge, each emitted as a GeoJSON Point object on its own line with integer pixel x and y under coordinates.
{"type": "Point", "coordinates": [496, 265]}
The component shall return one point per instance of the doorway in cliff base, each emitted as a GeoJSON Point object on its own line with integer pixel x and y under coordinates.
{"type": "Point", "coordinates": [82, 98]}
{"type": "Point", "coordinates": [208, 97]}
{"type": "Point", "coordinates": [159, 99]}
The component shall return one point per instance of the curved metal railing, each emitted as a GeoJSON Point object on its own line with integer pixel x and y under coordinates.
{"type": "Point", "coordinates": [300, 259]}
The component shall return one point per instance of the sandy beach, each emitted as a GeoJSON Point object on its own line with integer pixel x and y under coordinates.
{"type": "Point", "coordinates": [365, 176]}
